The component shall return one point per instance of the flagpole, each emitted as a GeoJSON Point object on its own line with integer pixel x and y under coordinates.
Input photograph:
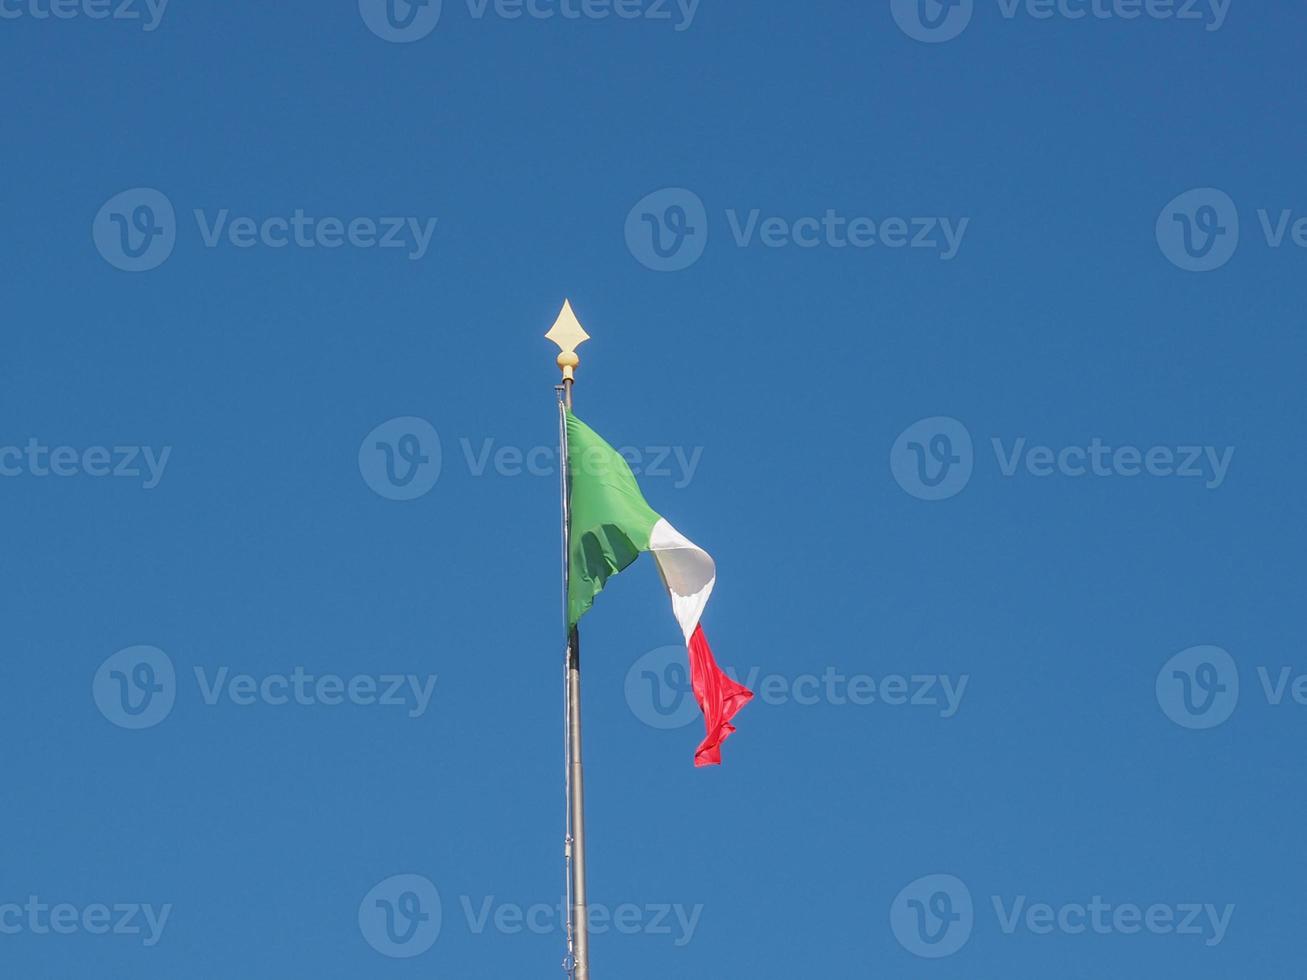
{"type": "Point", "coordinates": [568, 334]}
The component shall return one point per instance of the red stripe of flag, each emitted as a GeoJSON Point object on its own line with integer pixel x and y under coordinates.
{"type": "Point", "coordinates": [719, 699]}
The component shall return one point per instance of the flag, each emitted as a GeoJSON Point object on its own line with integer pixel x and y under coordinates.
{"type": "Point", "coordinates": [610, 525]}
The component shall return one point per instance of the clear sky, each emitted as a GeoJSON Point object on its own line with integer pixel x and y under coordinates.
{"type": "Point", "coordinates": [968, 339]}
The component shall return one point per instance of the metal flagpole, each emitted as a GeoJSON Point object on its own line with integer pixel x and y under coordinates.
{"type": "Point", "coordinates": [568, 334]}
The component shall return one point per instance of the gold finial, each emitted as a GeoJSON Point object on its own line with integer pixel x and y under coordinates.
{"type": "Point", "coordinates": [568, 334]}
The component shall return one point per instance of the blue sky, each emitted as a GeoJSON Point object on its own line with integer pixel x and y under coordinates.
{"type": "Point", "coordinates": [967, 338]}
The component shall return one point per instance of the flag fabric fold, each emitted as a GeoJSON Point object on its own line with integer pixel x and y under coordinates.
{"type": "Point", "coordinates": [611, 524]}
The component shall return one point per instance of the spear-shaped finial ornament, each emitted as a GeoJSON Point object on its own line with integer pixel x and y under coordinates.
{"type": "Point", "coordinates": [568, 334]}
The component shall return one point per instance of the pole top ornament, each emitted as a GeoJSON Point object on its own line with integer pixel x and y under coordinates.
{"type": "Point", "coordinates": [568, 334]}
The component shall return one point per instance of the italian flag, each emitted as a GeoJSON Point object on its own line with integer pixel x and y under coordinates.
{"type": "Point", "coordinates": [610, 525]}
